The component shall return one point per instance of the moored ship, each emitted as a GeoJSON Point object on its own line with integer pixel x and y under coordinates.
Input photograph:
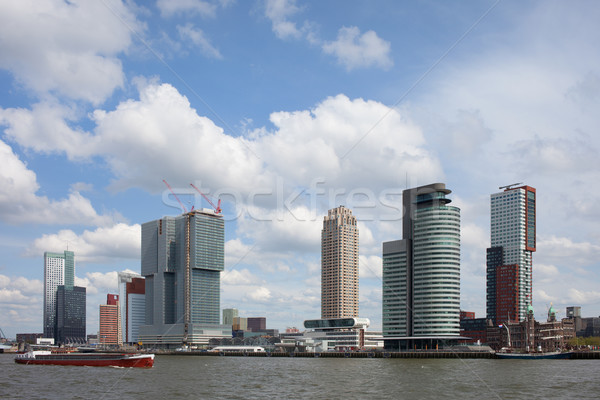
{"type": "Point", "coordinates": [45, 357]}
{"type": "Point", "coordinates": [557, 355]}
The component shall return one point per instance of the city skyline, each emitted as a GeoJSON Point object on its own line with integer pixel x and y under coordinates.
{"type": "Point", "coordinates": [284, 110]}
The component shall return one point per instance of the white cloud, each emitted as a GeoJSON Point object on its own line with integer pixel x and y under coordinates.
{"type": "Point", "coordinates": [279, 11]}
{"type": "Point", "coordinates": [21, 302]}
{"type": "Point", "coordinates": [199, 39]}
{"type": "Point", "coordinates": [261, 294]}
{"type": "Point", "coordinates": [546, 271]}
{"type": "Point", "coordinates": [238, 277]}
{"type": "Point", "coordinates": [162, 126]}
{"type": "Point", "coordinates": [19, 203]}
{"type": "Point", "coordinates": [120, 241]}
{"type": "Point", "coordinates": [370, 267]}
{"type": "Point", "coordinates": [98, 282]}
{"type": "Point", "coordinates": [45, 129]}
{"type": "Point", "coordinates": [568, 252]}
{"type": "Point", "coordinates": [169, 8]}
{"type": "Point", "coordinates": [583, 297]}
{"type": "Point", "coordinates": [354, 50]}
{"type": "Point", "coordinates": [66, 47]}
{"type": "Point", "coordinates": [356, 143]}
{"type": "Point", "coordinates": [281, 230]}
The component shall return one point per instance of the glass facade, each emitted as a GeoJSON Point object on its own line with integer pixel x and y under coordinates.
{"type": "Point", "coordinates": [436, 271]}
{"type": "Point", "coordinates": [421, 272]}
{"type": "Point", "coordinates": [70, 314]}
{"type": "Point", "coordinates": [395, 283]}
{"type": "Point", "coordinates": [59, 269]}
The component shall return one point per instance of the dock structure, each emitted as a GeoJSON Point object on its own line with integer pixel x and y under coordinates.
{"type": "Point", "coordinates": [586, 355]}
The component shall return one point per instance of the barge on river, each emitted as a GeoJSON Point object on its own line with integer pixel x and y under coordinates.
{"type": "Point", "coordinates": [40, 357]}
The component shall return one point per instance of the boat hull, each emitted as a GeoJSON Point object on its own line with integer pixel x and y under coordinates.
{"type": "Point", "coordinates": [99, 360]}
{"type": "Point", "coordinates": [534, 356]}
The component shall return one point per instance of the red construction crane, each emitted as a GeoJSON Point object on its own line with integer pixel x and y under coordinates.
{"type": "Point", "coordinates": [217, 207]}
{"type": "Point", "coordinates": [176, 198]}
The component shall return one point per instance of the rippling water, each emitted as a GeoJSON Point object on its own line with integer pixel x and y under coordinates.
{"type": "Point", "coordinates": [189, 377]}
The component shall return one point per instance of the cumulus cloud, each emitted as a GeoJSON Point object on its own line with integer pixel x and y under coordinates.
{"type": "Point", "coordinates": [99, 283]}
{"type": "Point", "coordinates": [348, 142]}
{"type": "Point", "coordinates": [355, 50]}
{"type": "Point", "coordinates": [162, 126]}
{"type": "Point", "coordinates": [119, 241]}
{"type": "Point", "coordinates": [21, 302]}
{"type": "Point", "coordinates": [19, 203]}
{"type": "Point", "coordinates": [69, 48]}
{"type": "Point", "coordinates": [198, 38]}
{"type": "Point", "coordinates": [45, 129]}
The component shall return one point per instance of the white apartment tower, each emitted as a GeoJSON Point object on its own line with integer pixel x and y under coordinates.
{"type": "Point", "coordinates": [513, 240]}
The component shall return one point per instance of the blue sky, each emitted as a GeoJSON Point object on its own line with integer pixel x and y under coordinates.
{"type": "Point", "coordinates": [285, 109]}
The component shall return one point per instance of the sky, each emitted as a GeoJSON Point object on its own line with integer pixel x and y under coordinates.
{"type": "Point", "coordinates": [285, 109]}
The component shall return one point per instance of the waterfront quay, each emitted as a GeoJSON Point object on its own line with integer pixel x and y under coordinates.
{"type": "Point", "coordinates": [584, 355]}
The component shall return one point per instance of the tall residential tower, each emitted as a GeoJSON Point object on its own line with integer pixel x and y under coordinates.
{"type": "Point", "coordinates": [339, 264]}
{"type": "Point", "coordinates": [509, 259]}
{"type": "Point", "coordinates": [421, 272]}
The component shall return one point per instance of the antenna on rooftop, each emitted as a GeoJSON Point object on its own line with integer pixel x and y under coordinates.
{"type": "Point", "coordinates": [508, 187]}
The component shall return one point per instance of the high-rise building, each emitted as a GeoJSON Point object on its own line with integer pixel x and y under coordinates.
{"type": "Point", "coordinates": [59, 269]}
{"type": "Point", "coordinates": [132, 304]}
{"type": "Point", "coordinates": [182, 259]}
{"type": "Point", "coordinates": [257, 324]}
{"type": "Point", "coordinates": [421, 272]}
{"type": "Point", "coordinates": [228, 315]}
{"type": "Point", "coordinates": [339, 264]}
{"type": "Point", "coordinates": [110, 323]}
{"type": "Point", "coordinates": [70, 315]}
{"type": "Point", "coordinates": [509, 259]}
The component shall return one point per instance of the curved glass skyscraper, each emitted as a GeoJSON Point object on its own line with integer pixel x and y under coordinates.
{"type": "Point", "coordinates": [421, 272]}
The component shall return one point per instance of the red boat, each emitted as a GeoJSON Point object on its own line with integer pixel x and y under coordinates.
{"type": "Point", "coordinates": [86, 359]}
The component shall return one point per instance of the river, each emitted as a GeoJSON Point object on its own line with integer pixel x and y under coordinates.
{"type": "Point", "coordinates": [205, 377]}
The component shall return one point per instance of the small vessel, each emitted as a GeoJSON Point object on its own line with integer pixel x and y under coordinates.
{"type": "Point", "coordinates": [45, 357]}
{"type": "Point", "coordinates": [557, 355]}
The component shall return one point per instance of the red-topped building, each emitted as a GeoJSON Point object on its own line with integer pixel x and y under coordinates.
{"type": "Point", "coordinates": [110, 327]}
{"type": "Point", "coordinates": [509, 259]}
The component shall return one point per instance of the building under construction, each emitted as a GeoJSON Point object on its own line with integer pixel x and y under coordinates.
{"type": "Point", "coordinates": [182, 260]}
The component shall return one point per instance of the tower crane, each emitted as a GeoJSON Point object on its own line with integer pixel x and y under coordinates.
{"type": "Point", "coordinates": [176, 198]}
{"type": "Point", "coordinates": [217, 207]}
